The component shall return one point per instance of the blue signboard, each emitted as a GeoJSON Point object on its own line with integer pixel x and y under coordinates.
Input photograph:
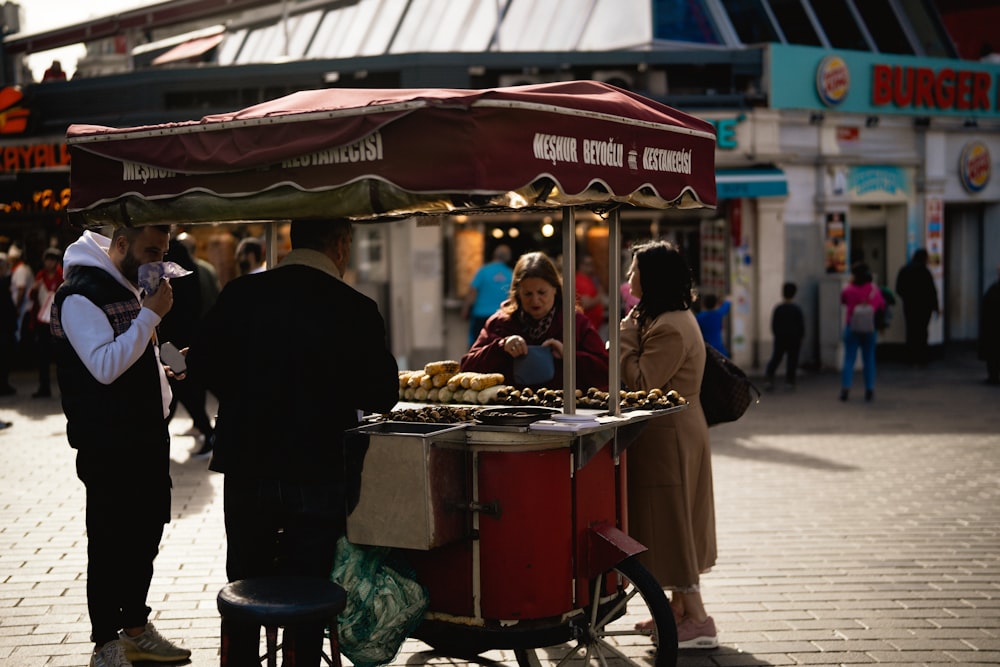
{"type": "Point", "coordinates": [806, 77]}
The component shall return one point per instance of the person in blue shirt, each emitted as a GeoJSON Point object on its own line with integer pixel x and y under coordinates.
{"type": "Point", "coordinates": [710, 320]}
{"type": "Point", "coordinates": [490, 287]}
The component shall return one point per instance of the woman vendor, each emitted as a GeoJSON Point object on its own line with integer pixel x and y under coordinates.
{"type": "Point", "coordinates": [532, 316]}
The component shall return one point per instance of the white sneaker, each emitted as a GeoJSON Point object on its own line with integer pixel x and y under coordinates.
{"type": "Point", "coordinates": [150, 645]}
{"type": "Point", "coordinates": [111, 654]}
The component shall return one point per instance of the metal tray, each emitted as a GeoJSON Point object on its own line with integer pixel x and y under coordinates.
{"type": "Point", "coordinates": [513, 416]}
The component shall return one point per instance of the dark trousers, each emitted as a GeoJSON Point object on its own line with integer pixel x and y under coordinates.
{"type": "Point", "coordinates": [280, 528]}
{"type": "Point", "coordinates": [43, 352]}
{"type": "Point", "coordinates": [783, 346]}
{"type": "Point", "coordinates": [125, 516]}
{"type": "Point", "coordinates": [8, 347]}
{"type": "Point", "coordinates": [916, 335]}
{"type": "Point", "coordinates": [192, 396]}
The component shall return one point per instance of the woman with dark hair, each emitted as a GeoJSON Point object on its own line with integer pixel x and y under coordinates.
{"type": "Point", "coordinates": [671, 506]}
{"type": "Point", "coordinates": [532, 316]}
{"type": "Point", "coordinates": [859, 290]}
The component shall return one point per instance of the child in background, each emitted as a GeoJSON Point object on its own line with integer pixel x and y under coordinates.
{"type": "Point", "coordinates": [789, 328]}
{"type": "Point", "coordinates": [710, 321]}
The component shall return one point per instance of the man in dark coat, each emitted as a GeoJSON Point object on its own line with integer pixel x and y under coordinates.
{"type": "Point", "coordinates": [989, 331]}
{"type": "Point", "coordinates": [915, 286]}
{"type": "Point", "coordinates": [293, 354]}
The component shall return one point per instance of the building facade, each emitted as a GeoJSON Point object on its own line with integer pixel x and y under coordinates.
{"type": "Point", "coordinates": [846, 131]}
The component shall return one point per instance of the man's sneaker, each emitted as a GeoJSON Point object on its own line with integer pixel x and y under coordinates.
{"type": "Point", "coordinates": [111, 654]}
{"type": "Point", "coordinates": [697, 635]}
{"type": "Point", "coordinates": [150, 645]}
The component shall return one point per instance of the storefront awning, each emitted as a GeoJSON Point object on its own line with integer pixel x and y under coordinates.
{"type": "Point", "coordinates": [189, 49]}
{"type": "Point", "coordinates": [735, 183]}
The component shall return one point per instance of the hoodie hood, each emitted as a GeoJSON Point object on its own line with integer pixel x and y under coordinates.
{"type": "Point", "coordinates": [91, 249]}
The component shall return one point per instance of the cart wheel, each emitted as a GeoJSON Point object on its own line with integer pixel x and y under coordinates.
{"type": "Point", "coordinates": [608, 629]}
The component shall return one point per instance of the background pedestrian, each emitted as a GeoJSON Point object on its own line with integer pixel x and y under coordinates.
{"type": "Point", "coordinates": [487, 291]}
{"type": "Point", "coordinates": [989, 331]}
{"type": "Point", "coordinates": [711, 320]}
{"type": "Point", "coordinates": [788, 326]}
{"type": "Point", "coordinates": [915, 286]}
{"type": "Point", "coordinates": [43, 293]}
{"type": "Point", "coordinates": [859, 290]}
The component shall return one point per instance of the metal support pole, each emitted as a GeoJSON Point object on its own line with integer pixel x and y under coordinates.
{"type": "Point", "coordinates": [271, 244]}
{"type": "Point", "coordinates": [614, 309]}
{"type": "Point", "coordinates": [569, 310]}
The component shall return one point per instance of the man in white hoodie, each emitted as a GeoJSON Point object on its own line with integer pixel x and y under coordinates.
{"type": "Point", "coordinates": [116, 398]}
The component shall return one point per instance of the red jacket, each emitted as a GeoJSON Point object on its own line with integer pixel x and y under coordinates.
{"type": "Point", "coordinates": [487, 355]}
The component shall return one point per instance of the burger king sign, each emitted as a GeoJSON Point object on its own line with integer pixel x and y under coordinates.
{"type": "Point", "coordinates": [974, 166]}
{"type": "Point", "coordinates": [833, 80]}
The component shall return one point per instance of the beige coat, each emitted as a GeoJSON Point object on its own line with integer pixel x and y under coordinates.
{"type": "Point", "coordinates": [671, 506]}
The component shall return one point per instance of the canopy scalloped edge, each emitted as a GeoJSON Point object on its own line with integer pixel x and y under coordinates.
{"type": "Point", "coordinates": [369, 200]}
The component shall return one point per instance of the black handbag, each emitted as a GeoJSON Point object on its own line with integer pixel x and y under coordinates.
{"type": "Point", "coordinates": [726, 391]}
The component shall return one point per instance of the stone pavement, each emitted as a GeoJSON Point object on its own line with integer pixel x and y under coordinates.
{"type": "Point", "coordinates": [849, 533]}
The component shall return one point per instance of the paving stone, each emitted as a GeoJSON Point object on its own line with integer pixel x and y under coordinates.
{"type": "Point", "coordinates": [848, 533]}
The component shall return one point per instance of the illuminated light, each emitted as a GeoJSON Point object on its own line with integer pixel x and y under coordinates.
{"type": "Point", "coordinates": [548, 230]}
{"type": "Point", "coordinates": [497, 233]}
{"type": "Point", "coordinates": [461, 219]}
{"type": "Point", "coordinates": [513, 232]}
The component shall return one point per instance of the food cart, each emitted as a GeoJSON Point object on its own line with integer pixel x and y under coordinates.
{"type": "Point", "coordinates": [518, 529]}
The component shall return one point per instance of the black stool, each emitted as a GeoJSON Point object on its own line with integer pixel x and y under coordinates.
{"type": "Point", "coordinates": [280, 602]}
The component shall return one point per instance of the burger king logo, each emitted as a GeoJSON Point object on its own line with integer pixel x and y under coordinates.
{"type": "Point", "coordinates": [974, 166]}
{"type": "Point", "coordinates": [833, 80]}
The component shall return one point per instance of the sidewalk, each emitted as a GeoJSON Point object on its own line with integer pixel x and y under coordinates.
{"type": "Point", "coordinates": [849, 533]}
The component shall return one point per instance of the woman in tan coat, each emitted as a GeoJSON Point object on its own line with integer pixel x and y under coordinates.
{"type": "Point", "coordinates": [671, 507]}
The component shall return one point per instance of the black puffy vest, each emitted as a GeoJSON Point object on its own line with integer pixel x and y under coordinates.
{"type": "Point", "coordinates": [130, 409]}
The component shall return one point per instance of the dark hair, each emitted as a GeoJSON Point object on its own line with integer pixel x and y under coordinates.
{"type": "Point", "coordinates": [920, 256]}
{"type": "Point", "coordinates": [132, 233]}
{"type": "Point", "coordinates": [178, 252]}
{"type": "Point", "coordinates": [532, 265]}
{"type": "Point", "coordinates": [860, 273]}
{"type": "Point", "coordinates": [709, 301]}
{"type": "Point", "coordinates": [665, 277]}
{"type": "Point", "coordinates": [319, 234]}
{"type": "Point", "coordinates": [788, 290]}
{"type": "Point", "coordinates": [251, 245]}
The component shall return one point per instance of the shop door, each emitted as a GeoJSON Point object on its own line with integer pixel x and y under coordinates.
{"type": "Point", "coordinates": [963, 231]}
{"type": "Point", "coordinates": [867, 238]}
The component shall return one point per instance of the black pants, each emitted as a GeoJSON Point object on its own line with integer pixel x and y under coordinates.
{"type": "Point", "coordinates": [783, 346]}
{"type": "Point", "coordinates": [192, 396]}
{"type": "Point", "coordinates": [126, 512]}
{"type": "Point", "coordinates": [43, 352]}
{"type": "Point", "coordinates": [916, 335]}
{"type": "Point", "coordinates": [280, 528]}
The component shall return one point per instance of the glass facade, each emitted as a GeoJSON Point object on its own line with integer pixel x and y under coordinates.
{"type": "Point", "coordinates": [684, 21]}
{"type": "Point", "coordinates": [379, 27]}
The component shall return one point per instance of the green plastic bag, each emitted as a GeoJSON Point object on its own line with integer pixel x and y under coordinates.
{"type": "Point", "coordinates": [384, 603]}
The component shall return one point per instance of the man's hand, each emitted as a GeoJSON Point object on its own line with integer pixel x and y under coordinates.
{"type": "Point", "coordinates": [162, 300]}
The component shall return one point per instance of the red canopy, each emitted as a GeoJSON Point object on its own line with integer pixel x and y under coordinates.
{"type": "Point", "coordinates": [380, 154]}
